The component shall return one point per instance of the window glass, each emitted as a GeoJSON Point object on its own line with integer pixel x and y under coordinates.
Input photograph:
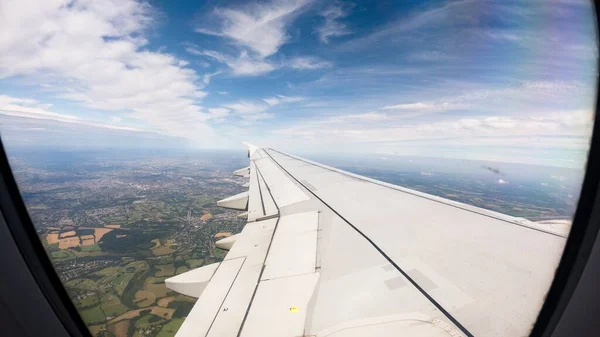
{"type": "Point", "coordinates": [123, 122]}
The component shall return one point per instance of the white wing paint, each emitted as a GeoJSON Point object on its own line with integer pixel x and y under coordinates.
{"type": "Point", "coordinates": [330, 253]}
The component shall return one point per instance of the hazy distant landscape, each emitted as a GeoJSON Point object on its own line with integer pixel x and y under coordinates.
{"type": "Point", "coordinates": [529, 191]}
{"type": "Point", "coordinates": [117, 223]}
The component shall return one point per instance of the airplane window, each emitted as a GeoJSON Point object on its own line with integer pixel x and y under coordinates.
{"type": "Point", "coordinates": [414, 167]}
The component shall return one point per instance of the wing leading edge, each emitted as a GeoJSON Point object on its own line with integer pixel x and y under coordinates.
{"type": "Point", "coordinates": [329, 253]}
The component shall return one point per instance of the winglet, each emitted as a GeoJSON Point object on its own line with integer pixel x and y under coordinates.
{"type": "Point", "coordinates": [251, 148]}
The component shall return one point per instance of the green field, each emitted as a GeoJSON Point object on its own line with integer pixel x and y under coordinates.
{"type": "Point", "coordinates": [121, 282]}
{"type": "Point", "coordinates": [62, 255]}
{"type": "Point", "coordinates": [136, 266]}
{"type": "Point", "coordinates": [112, 306]}
{"type": "Point", "coordinates": [113, 219]}
{"type": "Point", "coordinates": [169, 329]}
{"type": "Point", "coordinates": [219, 253]}
{"type": "Point", "coordinates": [108, 271]}
{"type": "Point", "coordinates": [165, 270]}
{"type": "Point", "coordinates": [93, 315]}
{"type": "Point", "coordinates": [91, 248]}
{"type": "Point", "coordinates": [156, 280]}
{"type": "Point", "coordinates": [194, 263]}
{"type": "Point", "coordinates": [88, 302]}
{"type": "Point", "coordinates": [82, 283]}
{"type": "Point", "coordinates": [201, 200]}
{"type": "Point", "coordinates": [148, 320]}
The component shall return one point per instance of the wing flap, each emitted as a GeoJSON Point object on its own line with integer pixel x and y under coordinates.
{"type": "Point", "coordinates": [252, 245]}
{"type": "Point", "coordinates": [222, 306]}
{"type": "Point", "coordinates": [294, 247]}
{"type": "Point", "coordinates": [280, 307]}
{"type": "Point", "coordinates": [202, 315]}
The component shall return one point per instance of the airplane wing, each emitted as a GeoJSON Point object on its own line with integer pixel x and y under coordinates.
{"type": "Point", "coordinates": [330, 253]}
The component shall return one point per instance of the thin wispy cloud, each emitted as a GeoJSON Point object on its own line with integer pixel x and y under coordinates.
{"type": "Point", "coordinates": [434, 15]}
{"type": "Point", "coordinates": [242, 65]}
{"type": "Point", "coordinates": [245, 65]}
{"type": "Point", "coordinates": [332, 26]}
{"type": "Point", "coordinates": [219, 113]}
{"type": "Point", "coordinates": [360, 118]}
{"type": "Point", "coordinates": [250, 111]}
{"type": "Point", "coordinates": [246, 108]}
{"type": "Point", "coordinates": [31, 109]}
{"type": "Point", "coordinates": [308, 62]}
{"type": "Point", "coordinates": [474, 130]}
{"type": "Point", "coordinates": [430, 55]}
{"type": "Point", "coordinates": [261, 28]}
{"type": "Point", "coordinates": [280, 99]}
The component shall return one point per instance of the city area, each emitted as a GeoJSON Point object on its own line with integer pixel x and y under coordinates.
{"type": "Point", "coordinates": [116, 228]}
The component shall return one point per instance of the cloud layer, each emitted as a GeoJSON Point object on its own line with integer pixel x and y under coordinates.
{"type": "Point", "coordinates": [451, 78]}
{"type": "Point", "coordinates": [94, 53]}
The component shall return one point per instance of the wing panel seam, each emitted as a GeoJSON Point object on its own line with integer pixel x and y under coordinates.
{"type": "Point", "coordinates": [227, 294]}
{"type": "Point", "coordinates": [413, 282]}
{"type": "Point", "coordinates": [262, 201]}
{"type": "Point", "coordinates": [259, 277]}
{"type": "Point", "coordinates": [267, 185]}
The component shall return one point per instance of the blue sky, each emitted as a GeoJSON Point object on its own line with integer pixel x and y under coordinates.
{"type": "Point", "coordinates": [510, 81]}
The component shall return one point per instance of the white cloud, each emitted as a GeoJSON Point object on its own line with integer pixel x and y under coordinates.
{"type": "Point", "coordinates": [426, 106]}
{"type": "Point", "coordinates": [246, 65]}
{"type": "Point", "coordinates": [518, 93]}
{"type": "Point", "coordinates": [308, 62]}
{"type": "Point", "coordinates": [219, 113]}
{"type": "Point", "coordinates": [431, 55]}
{"type": "Point", "coordinates": [31, 109]}
{"type": "Point", "coordinates": [565, 129]}
{"type": "Point", "coordinates": [259, 27]}
{"type": "Point", "coordinates": [243, 107]}
{"type": "Point", "coordinates": [258, 30]}
{"type": "Point", "coordinates": [243, 65]}
{"type": "Point", "coordinates": [332, 27]}
{"type": "Point", "coordinates": [280, 99]}
{"type": "Point", "coordinates": [429, 17]}
{"type": "Point", "coordinates": [94, 52]}
{"type": "Point", "coordinates": [366, 117]}
{"type": "Point", "coordinates": [502, 182]}
{"type": "Point", "coordinates": [553, 86]}
{"type": "Point", "coordinates": [258, 116]}
{"type": "Point", "coordinates": [409, 106]}
{"type": "Point", "coordinates": [502, 35]}
{"type": "Point", "coordinates": [250, 111]}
